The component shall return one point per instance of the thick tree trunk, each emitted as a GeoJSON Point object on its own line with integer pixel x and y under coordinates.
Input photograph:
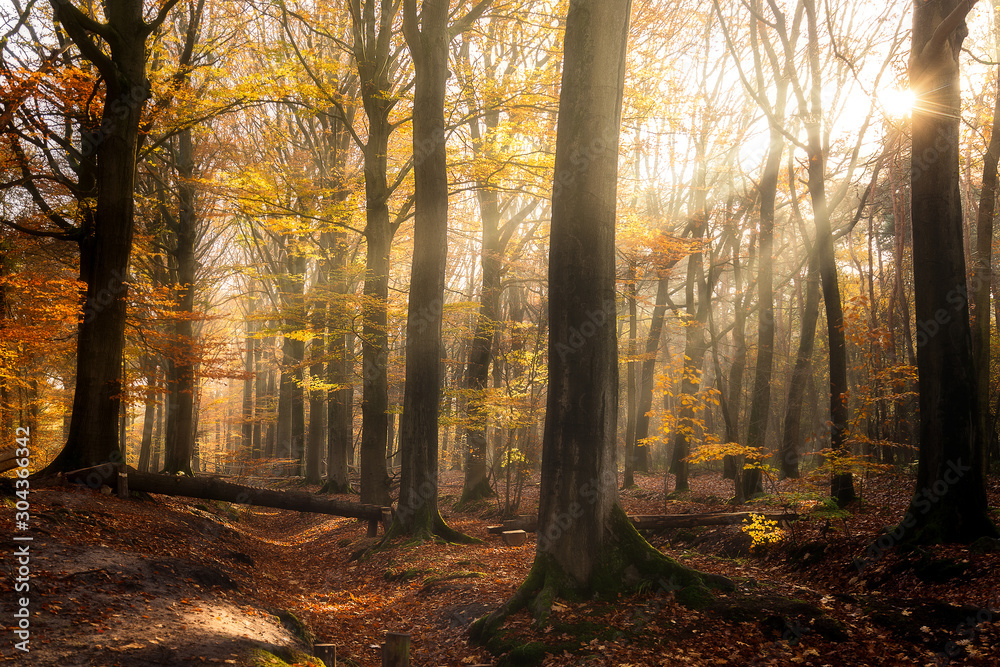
{"type": "Point", "coordinates": [738, 368]}
{"type": "Point", "coordinates": [105, 247]}
{"type": "Point", "coordinates": [586, 543]}
{"type": "Point", "coordinates": [427, 37]}
{"type": "Point", "coordinates": [291, 429]}
{"type": "Point", "coordinates": [949, 504]}
{"type": "Point", "coordinates": [982, 275]}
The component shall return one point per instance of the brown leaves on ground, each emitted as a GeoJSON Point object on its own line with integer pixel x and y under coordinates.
{"type": "Point", "coordinates": [172, 581]}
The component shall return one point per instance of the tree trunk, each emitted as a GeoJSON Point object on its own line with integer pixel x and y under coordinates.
{"type": "Point", "coordinates": [246, 439]}
{"type": "Point", "coordinates": [376, 92]}
{"type": "Point", "coordinates": [149, 414]}
{"type": "Point", "coordinates": [290, 444]}
{"type": "Point", "coordinates": [760, 403]}
{"type": "Point", "coordinates": [630, 388]}
{"type": "Point", "coordinates": [647, 375]}
{"type": "Point", "coordinates": [427, 37]}
{"type": "Point", "coordinates": [180, 442]}
{"type": "Point", "coordinates": [317, 395]}
{"type": "Point", "coordinates": [792, 435]}
{"type": "Point", "coordinates": [339, 369]}
{"type": "Point", "coordinates": [477, 377]}
{"type": "Point", "coordinates": [950, 503]}
{"type": "Point", "coordinates": [105, 248]}
{"type": "Point", "coordinates": [586, 544]}
{"type": "Point", "coordinates": [982, 275]}
{"type": "Point", "coordinates": [211, 488]}
{"type": "Point", "coordinates": [841, 483]}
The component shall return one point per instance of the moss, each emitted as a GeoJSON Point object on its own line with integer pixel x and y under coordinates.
{"type": "Point", "coordinates": [627, 563]}
{"type": "Point", "coordinates": [297, 627]}
{"type": "Point", "coordinates": [462, 574]}
{"type": "Point", "coordinates": [695, 597]}
{"type": "Point", "coordinates": [281, 657]}
{"type": "Point", "coordinates": [427, 526]}
{"type": "Point", "coordinates": [405, 575]}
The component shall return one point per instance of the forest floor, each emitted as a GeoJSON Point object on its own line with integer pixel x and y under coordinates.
{"type": "Point", "coordinates": [169, 581]}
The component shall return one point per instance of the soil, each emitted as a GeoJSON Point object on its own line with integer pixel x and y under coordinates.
{"type": "Point", "coordinates": [172, 581]}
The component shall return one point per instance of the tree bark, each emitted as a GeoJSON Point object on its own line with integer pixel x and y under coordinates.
{"type": "Point", "coordinates": [106, 245]}
{"type": "Point", "coordinates": [949, 504]}
{"type": "Point", "coordinates": [630, 388]}
{"type": "Point", "coordinates": [180, 442]}
{"type": "Point", "coordinates": [210, 488]}
{"type": "Point", "coordinates": [982, 274]}
{"type": "Point", "coordinates": [373, 27]}
{"type": "Point", "coordinates": [339, 365]}
{"type": "Point", "coordinates": [760, 403]}
{"type": "Point", "coordinates": [149, 413]}
{"type": "Point", "coordinates": [427, 37]}
{"type": "Point", "coordinates": [841, 483]}
{"type": "Point", "coordinates": [586, 544]}
{"type": "Point", "coordinates": [792, 434]}
{"type": "Point", "coordinates": [317, 395]}
{"type": "Point", "coordinates": [647, 375]}
{"type": "Point", "coordinates": [246, 437]}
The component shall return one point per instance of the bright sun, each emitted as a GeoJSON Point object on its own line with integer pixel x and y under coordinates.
{"type": "Point", "coordinates": [897, 103]}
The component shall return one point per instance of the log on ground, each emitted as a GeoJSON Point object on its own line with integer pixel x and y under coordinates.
{"type": "Point", "coordinates": [216, 489]}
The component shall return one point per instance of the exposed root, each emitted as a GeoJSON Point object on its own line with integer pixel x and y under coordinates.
{"type": "Point", "coordinates": [629, 563]}
{"type": "Point", "coordinates": [430, 527]}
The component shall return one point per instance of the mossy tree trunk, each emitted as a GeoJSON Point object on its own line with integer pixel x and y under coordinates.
{"type": "Point", "coordinates": [949, 504]}
{"type": "Point", "coordinates": [586, 544]}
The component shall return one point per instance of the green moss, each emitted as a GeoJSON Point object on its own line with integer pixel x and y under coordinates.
{"type": "Point", "coordinates": [695, 597]}
{"type": "Point", "coordinates": [462, 574]}
{"type": "Point", "coordinates": [259, 657]}
{"type": "Point", "coordinates": [297, 627]}
{"type": "Point", "coordinates": [525, 655]}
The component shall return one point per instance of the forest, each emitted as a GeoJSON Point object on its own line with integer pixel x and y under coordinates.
{"type": "Point", "coordinates": [480, 332]}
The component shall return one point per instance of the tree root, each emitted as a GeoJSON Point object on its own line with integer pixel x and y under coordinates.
{"type": "Point", "coordinates": [629, 563]}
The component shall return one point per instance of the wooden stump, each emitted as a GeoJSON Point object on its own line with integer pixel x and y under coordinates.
{"type": "Point", "coordinates": [396, 650]}
{"type": "Point", "coordinates": [122, 481]}
{"type": "Point", "coordinates": [327, 653]}
{"type": "Point", "coordinates": [514, 538]}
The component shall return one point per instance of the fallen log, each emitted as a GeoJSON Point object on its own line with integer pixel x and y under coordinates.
{"type": "Point", "coordinates": [529, 524]}
{"type": "Point", "coordinates": [216, 489]}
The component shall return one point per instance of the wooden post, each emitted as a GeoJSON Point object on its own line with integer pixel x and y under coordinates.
{"type": "Point", "coordinates": [327, 653]}
{"type": "Point", "coordinates": [372, 528]}
{"type": "Point", "coordinates": [396, 650]}
{"type": "Point", "coordinates": [122, 481]}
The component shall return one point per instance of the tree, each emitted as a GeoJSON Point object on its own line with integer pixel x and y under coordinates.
{"type": "Point", "coordinates": [949, 503]}
{"type": "Point", "coordinates": [117, 48]}
{"type": "Point", "coordinates": [586, 544]}
{"type": "Point", "coordinates": [427, 36]}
